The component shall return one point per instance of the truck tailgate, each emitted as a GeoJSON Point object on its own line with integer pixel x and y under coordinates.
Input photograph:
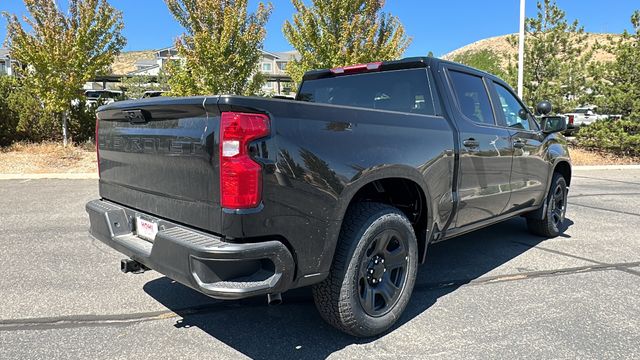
{"type": "Point", "coordinates": [158, 156]}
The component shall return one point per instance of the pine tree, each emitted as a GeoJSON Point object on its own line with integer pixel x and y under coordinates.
{"type": "Point", "coordinates": [556, 59]}
{"type": "Point", "coordinates": [619, 81]}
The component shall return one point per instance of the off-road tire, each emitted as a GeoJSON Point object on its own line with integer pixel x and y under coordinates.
{"type": "Point", "coordinates": [339, 298]}
{"type": "Point", "coordinates": [552, 224]}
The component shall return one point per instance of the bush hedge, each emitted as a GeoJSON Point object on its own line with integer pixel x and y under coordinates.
{"type": "Point", "coordinates": [23, 118]}
{"type": "Point", "coordinates": [8, 117]}
{"type": "Point", "coordinates": [621, 137]}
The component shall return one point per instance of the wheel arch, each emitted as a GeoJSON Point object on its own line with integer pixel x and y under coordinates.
{"type": "Point", "coordinates": [563, 167]}
{"type": "Point", "coordinates": [396, 186]}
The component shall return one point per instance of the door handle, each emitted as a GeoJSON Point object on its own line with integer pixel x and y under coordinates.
{"type": "Point", "coordinates": [519, 144]}
{"type": "Point", "coordinates": [471, 143]}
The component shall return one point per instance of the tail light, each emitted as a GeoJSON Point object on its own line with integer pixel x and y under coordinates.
{"type": "Point", "coordinates": [570, 119]}
{"type": "Point", "coordinates": [97, 145]}
{"type": "Point", "coordinates": [240, 175]}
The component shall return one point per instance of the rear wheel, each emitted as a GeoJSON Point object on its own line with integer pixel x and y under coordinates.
{"type": "Point", "coordinates": [373, 271]}
{"type": "Point", "coordinates": [552, 224]}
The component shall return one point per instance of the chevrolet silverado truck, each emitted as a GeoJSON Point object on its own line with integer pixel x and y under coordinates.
{"type": "Point", "coordinates": [343, 188]}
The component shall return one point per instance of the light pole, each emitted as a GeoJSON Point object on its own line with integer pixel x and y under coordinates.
{"type": "Point", "coordinates": [521, 51]}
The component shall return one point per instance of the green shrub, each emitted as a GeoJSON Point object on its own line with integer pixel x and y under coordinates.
{"type": "Point", "coordinates": [8, 117]}
{"type": "Point", "coordinates": [82, 122]}
{"type": "Point", "coordinates": [620, 137]}
{"type": "Point", "coordinates": [34, 123]}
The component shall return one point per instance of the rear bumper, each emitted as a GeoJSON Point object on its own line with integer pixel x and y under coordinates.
{"type": "Point", "coordinates": [199, 260]}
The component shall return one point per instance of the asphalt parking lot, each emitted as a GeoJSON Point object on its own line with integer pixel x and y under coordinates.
{"type": "Point", "coordinates": [495, 293]}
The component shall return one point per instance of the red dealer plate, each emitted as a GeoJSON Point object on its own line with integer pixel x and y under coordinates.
{"type": "Point", "coordinates": [146, 229]}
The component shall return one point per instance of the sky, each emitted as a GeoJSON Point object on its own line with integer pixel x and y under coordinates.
{"type": "Point", "coordinates": [437, 26]}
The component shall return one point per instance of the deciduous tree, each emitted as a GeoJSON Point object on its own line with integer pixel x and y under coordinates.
{"type": "Point", "coordinates": [60, 51]}
{"type": "Point", "coordinates": [220, 47]}
{"type": "Point", "coordinates": [331, 33]}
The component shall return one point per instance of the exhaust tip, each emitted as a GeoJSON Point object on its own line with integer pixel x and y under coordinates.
{"type": "Point", "coordinates": [274, 299]}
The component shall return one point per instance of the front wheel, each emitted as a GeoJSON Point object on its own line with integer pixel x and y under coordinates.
{"type": "Point", "coordinates": [552, 224]}
{"type": "Point", "coordinates": [373, 271]}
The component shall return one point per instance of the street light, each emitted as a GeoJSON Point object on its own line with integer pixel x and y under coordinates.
{"type": "Point", "coordinates": [521, 51]}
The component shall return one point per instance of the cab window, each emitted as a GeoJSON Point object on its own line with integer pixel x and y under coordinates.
{"type": "Point", "coordinates": [515, 115]}
{"type": "Point", "coordinates": [472, 97]}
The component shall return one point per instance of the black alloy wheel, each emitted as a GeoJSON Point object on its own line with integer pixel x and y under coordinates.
{"type": "Point", "coordinates": [383, 272]}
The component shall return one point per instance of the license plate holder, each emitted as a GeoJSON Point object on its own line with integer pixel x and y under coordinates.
{"type": "Point", "coordinates": [146, 229]}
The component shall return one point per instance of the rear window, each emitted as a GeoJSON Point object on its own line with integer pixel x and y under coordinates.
{"type": "Point", "coordinates": [401, 90]}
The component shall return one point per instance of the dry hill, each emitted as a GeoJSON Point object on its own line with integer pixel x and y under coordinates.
{"type": "Point", "coordinates": [125, 62]}
{"type": "Point", "coordinates": [501, 46]}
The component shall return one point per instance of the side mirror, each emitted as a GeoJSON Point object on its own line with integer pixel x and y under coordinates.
{"type": "Point", "coordinates": [544, 108]}
{"type": "Point", "coordinates": [553, 124]}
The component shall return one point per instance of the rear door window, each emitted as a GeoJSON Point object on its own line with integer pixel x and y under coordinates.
{"type": "Point", "coordinates": [401, 90]}
{"type": "Point", "coordinates": [472, 97]}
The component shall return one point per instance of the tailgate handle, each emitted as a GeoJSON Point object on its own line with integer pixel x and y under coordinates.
{"type": "Point", "coordinates": [136, 116]}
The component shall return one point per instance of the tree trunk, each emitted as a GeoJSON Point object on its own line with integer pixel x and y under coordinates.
{"type": "Point", "coordinates": [65, 132]}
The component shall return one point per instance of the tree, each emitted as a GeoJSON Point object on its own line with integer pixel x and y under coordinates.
{"type": "Point", "coordinates": [555, 62]}
{"type": "Point", "coordinates": [64, 50]}
{"type": "Point", "coordinates": [220, 47]}
{"type": "Point", "coordinates": [484, 59]}
{"type": "Point", "coordinates": [331, 33]}
{"type": "Point", "coordinates": [619, 81]}
{"type": "Point", "coordinates": [136, 85]}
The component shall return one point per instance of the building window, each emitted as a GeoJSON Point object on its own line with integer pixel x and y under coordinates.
{"type": "Point", "coordinates": [282, 65]}
{"type": "Point", "coordinates": [3, 69]}
{"type": "Point", "coordinates": [266, 67]}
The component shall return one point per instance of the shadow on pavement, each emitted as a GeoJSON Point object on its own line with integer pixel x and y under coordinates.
{"type": "Point", "coordinates": [295, 329]}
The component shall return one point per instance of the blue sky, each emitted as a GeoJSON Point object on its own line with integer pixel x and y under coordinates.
{"type": "Point", "coordinates": [438, 26]}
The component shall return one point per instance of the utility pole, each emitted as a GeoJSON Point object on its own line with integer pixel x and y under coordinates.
{"type": "Point", "coordinates": [521, 51]}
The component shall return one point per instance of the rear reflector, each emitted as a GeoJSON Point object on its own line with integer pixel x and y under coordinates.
{"type": "Point", "coordinates": [240, 175]}
{"type": "Point", "coordinates": [360, 68]}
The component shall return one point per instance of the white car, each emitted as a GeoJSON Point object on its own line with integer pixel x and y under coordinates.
{"type": "Point", "coordinates": [584, 116]}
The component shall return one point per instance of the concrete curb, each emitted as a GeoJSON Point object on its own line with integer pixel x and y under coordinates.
{"type": "Point", "coordinates": [606, 167]}
{"type": "Point", "coordinates": [64, 176]}
{"type": "Point", "coordinates": [94, 176]}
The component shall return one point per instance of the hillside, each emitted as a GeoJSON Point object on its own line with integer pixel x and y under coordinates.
{"type": "Point", "coordinates": [501, 46]}
{"type": "Point", "coordinates": [125, 62]}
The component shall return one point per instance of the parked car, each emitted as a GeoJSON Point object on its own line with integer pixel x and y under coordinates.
{"type": "Point", "coordinates": [584, 116]}
{"type": "Point", "coordinates": [342, 189]}
{"type": "Point", "coordinates": [153, 93]}
{"type": "Point", "coordinates": [102, 97]}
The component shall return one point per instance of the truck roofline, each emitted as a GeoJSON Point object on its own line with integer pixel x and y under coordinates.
{"type": "Point", "coordinates": [402, 64]}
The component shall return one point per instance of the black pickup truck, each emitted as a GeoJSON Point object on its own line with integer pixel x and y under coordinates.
{"type": "Point", "coordinates": [342, 188]}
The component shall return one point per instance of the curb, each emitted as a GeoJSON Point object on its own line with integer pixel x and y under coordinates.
{"type": "Point", "coordinates": [63, 176]}
{"type": "Point", "coordinates": [606, 167]}
{"type": "Point", "coordinates": [94, 176]}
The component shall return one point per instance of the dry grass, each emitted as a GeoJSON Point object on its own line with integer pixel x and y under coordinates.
{"type": "Point", "coordinates": [587, 157]}
{"type": "Point", "coordinates": [49, 157]}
